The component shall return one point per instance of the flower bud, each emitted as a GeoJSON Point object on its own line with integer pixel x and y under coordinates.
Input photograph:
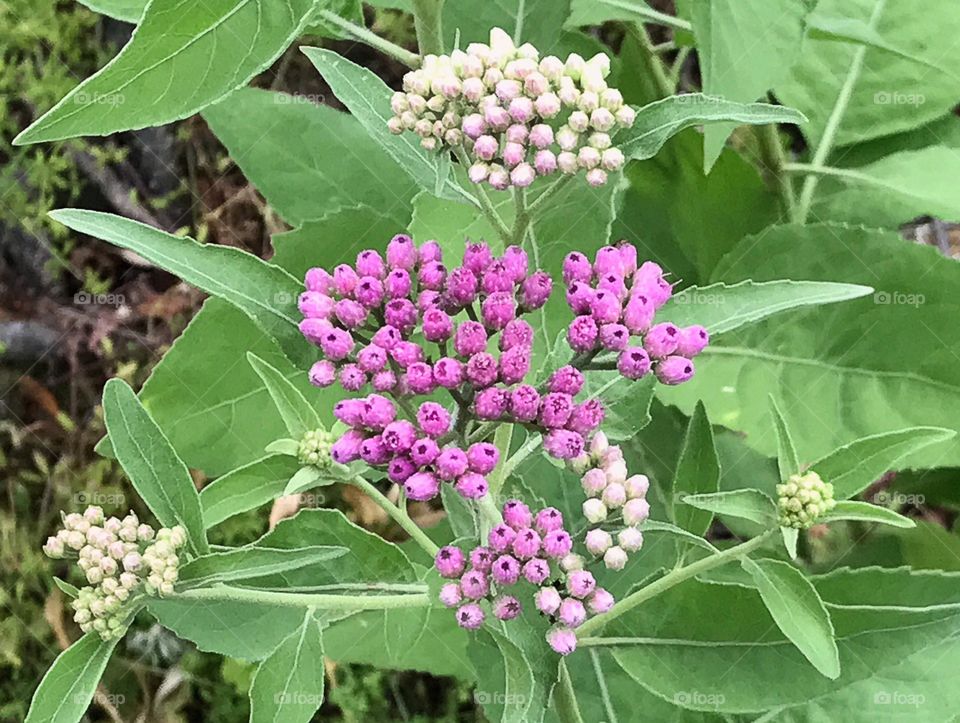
{"type": "Point", "coordinates": [615, 558]}
{"type": "Point", "coordinates": [598, 541]}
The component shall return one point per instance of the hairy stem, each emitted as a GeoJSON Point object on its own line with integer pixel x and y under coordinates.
{"type": "Point", "coordinates": [540, 200]}
{"type": "Point", "coordinates": [565, 698]}
{"type": "Point", "coordinates": [411, 60]}
{"type": "Point", "coordinates": [774, 163]}
{"type": "Point", "coordinates": [521, 221]}
{"type": "Point", "coordinates": [397, 514]}
{"type": "Point", "coordinates": [652, 63]}
{"type": "Point", "coordinates": [309, 600]}
{"type": "Point", "coordinates": [648, 13]}
{"type": "Point", "coordinates": [672, 579]}
{"type": "Point", "coordinates": [836, 117]}
{"type": "Point", "coordinates": [428, 16]}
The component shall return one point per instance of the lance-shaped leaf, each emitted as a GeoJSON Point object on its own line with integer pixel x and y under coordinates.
{"type": "Point", "coordinates": [748, 504]}
{"type": "Point", "coordinates": [156, 472]}
{"type": "Point", "coordinates": [288, 685]}
{"type": "Point", "coordinates": [698, 472]}
{"type": "Point", "coordinates": [658, 122]}
{"type": "Point", "coordinates": [865, 512]}
{"type": "Point", "coordinates": [368, 99]}
{"type": "Point", "coordinates": [66, 588]}
{"type": "Point", "coordinates": [129, 11]}
{"type": "Point", "coordinates": [246, 562]}
{"type": "Point", "coordinates": [722, 308]}
{"type": "Point", "coordinates": [298, 416]}
{"type": "Point", "coordinates": [182, 57]}
{"type": "Point", "coordinates": [799, 612]}
{"type": "Point", "coordinates": [305, 478]}
{"type": "Point", "coordinates": [246, 487]}
{"type": "Point", "coordinates": [68, 686]}
{"type": "Point", "coordinates": [266, 293]}
{"type": "Point", "coordinates": [787, 460]}
{"type": "Point", "coordinates": [855, 466]}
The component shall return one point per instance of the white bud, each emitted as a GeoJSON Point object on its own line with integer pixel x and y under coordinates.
{"type": "Point", "coordinates": [589, 101]}
{"type": "Point", "coordinates": [636, 511]}
{"type": "Point", "coordinates": [76, 539]}
{"type": "Point", "coordinates": [108, 565]}
{"type": "Point", "coordinates": [110, 585]}
{"type": "Point", "coordinates": [71, 521]}
{"type": "Point", "coordinates": [93, 515]}
{"type": "Point", "coordinates": [574, 65]}
{"type": "Point", "coordinates": [614, 496]}
{"type": "Point", "coordinates": [528, 51]}
{"type": "Point", "coordinates": [637, 485]}
{"type": "Point", "coordinates": [567, 162]}
{"type": "Point", "coordinates": [602, 120]}
{"type": "Point", "coordinates": [571, 562]}
{"type": "Point", "coordinates": [595, 511]}
{"type": "Point", "coordinates": [580, 464]}
{"type": "Point", "coordinates": [599, 445]}
{"type": "Point", "coordinates": [600, 141]}
{"type": "Point", "coordinates": [626, 116]}
{"type": "Point", "coordinates": [616, 471]}
{"type": "Point", "coordinates": [116, 550]}
{"type": "Point", "coordinates": [612, 159]}
{"type": "Point", "coordinates": [53, 547]}
{"type": "Point", "coordinates": [611, 99]}
{"type": "Point", "coordinates": [600, 61]}
{"type": "Point", "coordinates": [94, 575]}
{"type": "Point", "coordinates": [121, 593]}
{"type": "Point", "coordinates": [551, 67]}
{"type": "Point", "coordinates": [395, 125]}
{"type": "Point", "coordinates": [630, 539]}
{"type": "Point", "coordinates": [128, 580]}
{"type": "Point", "coordinates": [112, 525]}
{"type": "Point", "coordinates": [473, 89]}
{"type": "Point", "coordinates": [567, 138]}
{"type": "Point", "coordinates": [166, 588]}
{"type": "Point", "coordinates": [598, 541]}
{"type": "Point", "coordinates": [132, 562]}
{"type": "Point", "coordinates": [82, 616]}
{"type": "Point", "coordinates": [578, 121]}
{"type": "Point", "coordinates": [615, 558]}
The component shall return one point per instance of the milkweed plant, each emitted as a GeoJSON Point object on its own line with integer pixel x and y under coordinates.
{"type": "Point", "coordinates": [478, 313]}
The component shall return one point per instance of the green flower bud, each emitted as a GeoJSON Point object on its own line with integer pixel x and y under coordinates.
{"type": "Point", "coordinates": [315, 447]}
{"type": "Point", "coordinates": [803, 499]}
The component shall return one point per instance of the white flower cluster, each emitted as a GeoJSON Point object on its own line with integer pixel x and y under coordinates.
{"type": "Point", "coordinates": [804, 498]}
{"type": "Point", "coordinates": [315, 447]}
{"type": "Point", "coordinates": [115, 556]}
{"type": "Point", "coordinates": [518, 116]}
{"type": "Point", "coordinates": [609, 489]}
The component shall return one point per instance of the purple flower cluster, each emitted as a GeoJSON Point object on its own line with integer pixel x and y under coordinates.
{"type": "Point", "coordinates": [411, 454]}
{"type": "Point", "coordinates": [609, 489]}
{"type": "Point", "coordinates": [615, 301]}
{"type": "Point", "coordinates": [525, 546]}
{"type": "Point", "coordinates": [518, 116]}
{"type": "Point", "coordinates": [364, 318]}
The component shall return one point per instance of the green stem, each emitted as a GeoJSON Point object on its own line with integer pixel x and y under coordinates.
{"type": "Point", "coordinates": [428, 20]}
{"type": "Point", "coordinates": [521, 221]}
{"type": "Point", "coordinates": [652, 63]}
{"type": "Point", "coordinates": [486, 205]}
{"type": "Point", "coordinates": [411, 60]}
{"type": "Point", "coordinates": [308, 600]}
{"type": "Point", "coordinates": [774, 162]}
{"type": "Point", "coordinates": [647, 13]}
{"type": "Point", "coordinates": [398, 515]}
{"type": "Point", "coordinates": [672, 579]}
{"type": "Point", "coordinates": [501, 440]}
{"type": "Point", "coordinates": [491, 515]}
{"type": "Point", "coordinates": [565, 698]}
{"type": "Point", "coordinates": [540, 200]}
{"type": "Point", "coordinates": [836, 117]}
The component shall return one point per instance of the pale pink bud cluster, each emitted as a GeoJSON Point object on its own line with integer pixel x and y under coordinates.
{"type": "Point", "coordinates": [121, 559]}
{"type": "Point", "coordinates": [517, 115]}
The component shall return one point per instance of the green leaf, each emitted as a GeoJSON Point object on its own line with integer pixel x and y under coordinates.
{"type": "Point", "coordinates": [734, 66]}
{"type": "Point", "coordinates": [865, 512]}
{"type": "Point", "coordinates": [856, 30]}
{"type": "Point", "coordinates": [288, 447]}
{"type": "Point", "coordinates": [242, 563]}
{"type": "Point", "coordinates": [304, 479]}
{"type": "Point", "coordinates": [597, 12]}
{"type": "Point", "coordinates": [657, 526]}
{"type": "Point", "coordinates": [855, 466]}
{"type": "Point", "coordinates": [180, 59]}
{"type": "Point", "coordinates": [288, 685]}
{"type": "Point", "coordinates": [68, 686]}
{"type": "Point", "coordinates": [658, 122]}
{"type": "Point", "coordinates": [368, 99]}
{"type": "Point", "coordinates": [698, 471]}
{"type": "Point", "coordinates": [334, 164]}
{"type": "Point", "coordinates": [790, 536]}
{"type": "Point", "coordinates": [66, 588]}
{"type": "Point", "coordinates": [893, 94]}
{"type": "Point", "coordinates": [298, 416]}
{"type": "Point", "coordinates": [350, 10]}
{"type": "Point", "coordinates": [889, 357]}
{"type": "Point", "coordinates": [626, 402]}
{"type": "Point", "coordinates": [723, 308]}
{"type": "Point", "coordinates": [798, 610]}
{"type": "Point", "coordinates": [893, 190]}
{"type": "Point", "coordinates": [787, 460]}
{"type": "Point", "coordinates": [528, 21]}
{"type": "Point", "coordinates": [129, 11]}
{"type": "Point", "coordinates": [156, 472]}
{"type": "Point", "coordinates": [749, 504]}
{"type": "Point", "coordinates": [246, 488]}
{"type": "Point", "coordinates": [266, 293]}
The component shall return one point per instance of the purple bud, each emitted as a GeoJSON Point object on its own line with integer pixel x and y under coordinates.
{"type": "Point", "coordinates": [606, 308]}
{"type": "Point", "coordinates": [405, 353]}
{"type": "Point", "coordinates": [615, 284]}
{"type": "Point", "coordinates": [401, 313]}
{"type": "Point", "coordinates": [600, 602]}
{"type": "Point", "coordinates": [582, 334]}
{"type": "Point", "coordinates": [633, 362]}
{"type": "Point", "coordinates": [514, 365]}
{"type": "Point", "coordinates": [470, 616]}
{"type": "Point", "coordinates": [545, 162]}
{"type": "Point", "coordinates": [350, 411]}
{"type": "Point", "coordinates": [496, 278]}
{"type": "Point", "coordinates": [421, 486]}
{"type": "Point", "coordinates": [398, 284]}
{"type": "Point", "coordinates": [547, 600]}
{"type": "Point", "coordinates": [572, 612]}
{"type": "Point", "coordinates": [517, 133]}
{"type": "Point", "coordinates": [523, 175]}
{"type": "Point", "coordinates": [580, 297]}
{"type": "Point", "coordinates": [549, 519]}
{"type": "Point", "coordinates": [374, 452]}
{"type": "Point", "coordinates": [580, 583]}
{"type": "Point", "coordinates": [586, 417]}
{"type": "Point", "coordinates": [470, 338]}
{"type": "Point", "coordinates": [674, 370]}
{"type": "Point", "coordinates": [424, 451]}
{"type": "Point", "coordinates": [536, 570]}
{"type": "Point", "coordinates": [319, 280]}
{"type": "Point", "coordinates": [577, 267]}
{"type": "Point", "coordinates": [400, 468]}
{"type": "Point", "coordinates": [662, 340]}
{"type": "Point", "coordinates": [563, 444]}
{"type": "Point", "coordinates": [521, 110]}
{"type": "Point", "coordinates": [347, 448]}
{"type": "Point", "coordinates": [482, 457]}
{"type": "Point", "coordinates": [474, 584]}
{"type": "Point", "coordinates": [541, 136]}
{"type": "Point", "coordinates": [477, 257]}
{"type": "Point", "coordinates": [516, 514]}
{"type": "Point", "coordinates": [387, 337]}
{"type": "Point", "coordinates": [501, 537]}
{"type": "Point", "coordinates": [482, 370]}
{"type": "Point", "coordinates": [352, 377]}
{"type": "Point", "coordinates": [498, 309]}
{"type": "Point", "coordinates": [472, 486]}
{"type": "Point", "coordinates": [516, 263]}
{"type": "Point", "coordinates": [535, 291]}
{"type": "Point", "coordinates": [399, 436]}
{"type": "Point", "coordinates": [693, 340]}
{"type": "Point", "coordinates": [372, 358]}
{"type": "Point", "coordinates": [513, 154]}
{"type": "Point", "coordinates": [505, 570]}
{"type": "Point", "coordinates": [430, 251]}
{"type": "Point", "coordinates": [485, 148]}
{"type": "Point", "coordinates": [566, 380]}
{"type": "Point", "coordinates": [628, 257]}
{"type": "Point", "coordinates": [524, 403]}
{"type": "Point", "coordinates": [562, 640]}
{"type": "Point", "coordinates": [345, 279]}
{"type": "Point", "coordinates": [314, 329]}
{"type": "Point", "coordinates": [384, 381]}
{"type": "Point", "coordinates": [526, 544]}
{"type": "Point", "coordinates": [428, 299]}
{"type": "Point", "coordinates": [336, 344]}
{"type": "Point", "coordinates": [370, 263]}
{"type": "Point", "coordinates": [481, 558]}
{"type": "Point", "coordinates": [418, 378]}
{"type": "Point", "coordinates": [555, 410]}
{"type": "Point", "coordinates": [608, 261]}
{"type": "Point", "coordinates": [506, 607]}
{"type": "Point", "coordinates": [314, 305]}
{"type": "Point", "coordinates": [448, 372]}
{"type": "Point", "coordinates": [451, 463]}
{"type": "Point", "coordinates": [401, 253]}
{"type": "Point", "coordinates": [432, 276]}
{"type": "Point", "coordinates": [557, 544]}
{"type": "Point", "coordinates": [322, 373]}
{"type": "Point", "coordinates": [491, 403]}
{"type": "Point", "coordinates": [517, 333]}
{"type": "Point", "coordinates": [369, 292]}
{"type": "Point", "coordinates": [450, 595]}
{"type": "Point", "coordinates": [433, 419]}
{"type": "Point", "coordinates": [450, 561]}
{"type": "Point", "coordinates": [615, 337]}
{"type": "Point", "coordinates": [473, 126]}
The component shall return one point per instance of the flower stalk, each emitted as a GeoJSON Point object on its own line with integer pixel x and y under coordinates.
{"type": "Point", "coordinates": [308, 600]}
